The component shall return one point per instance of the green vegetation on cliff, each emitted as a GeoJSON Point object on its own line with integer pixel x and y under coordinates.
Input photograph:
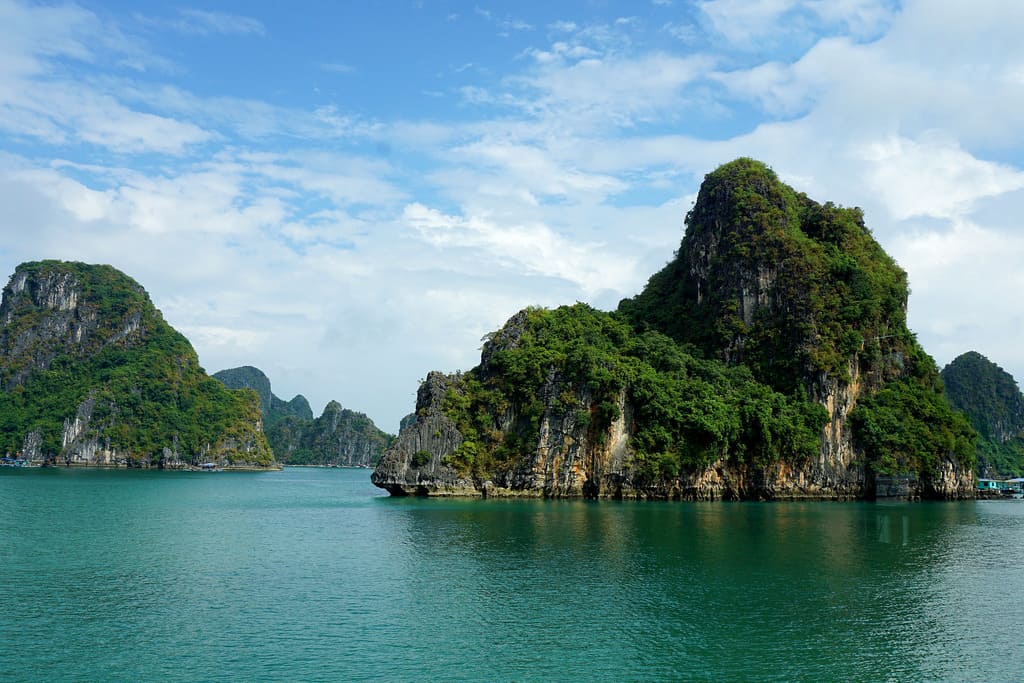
{"type": "Point", "coordinates": [338, 437]}
{"type": "Point", "coordinates": [773, 307]}
{"type": "Point", "coordinates": [994, 404]}
{"type": "Point", "coordinates": [273, 408]}
{"type": "Point", "coordinates": [83, 341]}
{"type": "Point", "coordinates": [802, 294]}
{"type": "Point", "coordinates": [687, 412]}
{"type": "Point", "coordinates": [770, 279]}
{"type": "Point", "coordinates": [908, 424]}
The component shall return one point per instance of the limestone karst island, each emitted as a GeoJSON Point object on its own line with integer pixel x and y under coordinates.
{"type": "Point", "coordinates": [770, 359]}
{"type": "Point", "coordinates": [93, 375]}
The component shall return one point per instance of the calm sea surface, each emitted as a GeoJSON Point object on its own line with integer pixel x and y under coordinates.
{"type": "Point", "coordinates": [313, 574]}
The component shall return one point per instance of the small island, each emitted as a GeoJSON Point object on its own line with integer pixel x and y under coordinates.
{"type": "Point", "coordinates": [339, 437]}
{"type": "Point", "coordinates": [770, 359]}
{"type": "Point", "coordinates": [91, 374]}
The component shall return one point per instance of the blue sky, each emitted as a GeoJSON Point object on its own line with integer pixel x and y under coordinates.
{"type": "Point", "coordinates": [351, 194]}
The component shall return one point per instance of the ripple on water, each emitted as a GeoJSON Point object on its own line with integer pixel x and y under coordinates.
{"type": "Point", "coordinates": [312, 575]}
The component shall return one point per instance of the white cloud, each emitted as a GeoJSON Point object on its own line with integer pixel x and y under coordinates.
{"type": "Point", "coordinates": [934, 177]}
{"type": "Point", "coordinates": [531, 246]}
{"type": "Point", "coordinates": [752, 26]}
{"type": "Point", "coordinates": [247, 118]}
{"type": "Point", "coordinates": [681, 31]}
{"type": "Point", "coordinates": [316, 239]}
{"type": "Point", "coordinates": [610, 91]}
{"type": "Point", "coordinates": [205, 23]}
{"type": "Point", "coordinates": [534, 170]}
{"type": "Point", "coordinates": [970, 276]}
{"type": "Point", "coordinates": [337, 67]}
{"type": "Point", "coordinates": [345, 180]}
{"type": "Point", "coordinates": [32, 35]}
{"type": "Point", "coordinates": [39, 101]}
{"type": "Point", "coordinates": [227, 339]}
{"type": "Point", "coordinates": [862, 18]}
{"type": "Point", "coordinates": [742, 22]}
{"type": "Point", "coordinates": [56, 112]}
{"type": "Point", "coordinates": [563, 26]}
{"type": "Point", "coordinates": [210, 201]}
{"type": "Point", "coordinates": [506, 23]}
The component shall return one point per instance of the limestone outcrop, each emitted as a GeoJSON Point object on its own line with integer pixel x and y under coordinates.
{"type": "Point", "coordinates": [769, 360]}
{"type": "Point", "coordinates": [91, 374]}
{"type": "Point", "coordinates": [339, 437]}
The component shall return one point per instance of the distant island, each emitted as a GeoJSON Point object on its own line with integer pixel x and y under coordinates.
{"type": "Point", "coordinates": [91, 374]}
{"type": "Point", "coordinates": [993, 403]}
{"type": "Point", "coordinates": [770, 359]}
{"type": "Point", "coordinates": [338, 437]}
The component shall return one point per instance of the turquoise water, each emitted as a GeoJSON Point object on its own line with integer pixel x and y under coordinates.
{"type": "Point", "coordinates": [312, 574]}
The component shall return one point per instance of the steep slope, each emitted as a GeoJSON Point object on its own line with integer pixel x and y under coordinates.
{"type": "Point", "coordinates": [803, 295]}
{"type": "Point", "coordinates": [91, 374]}
{"type": "Point", "coordinates": [810, 383]}
{"type": "Point", "coordinates": [273, 408]}
{"type": "Point", "coordinates": [994, 404]}
{"type": "Point", "coordinates": [338, 437]}
{"type": "Point", "coordinates": [573, 402]}
{"type": "Point", "coordinates": [297, 407]}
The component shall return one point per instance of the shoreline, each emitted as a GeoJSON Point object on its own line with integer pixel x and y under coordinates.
{"type": "Point", "coordinates": [277, 467]}
{"type": "Point", "coordinates": [331, 467]}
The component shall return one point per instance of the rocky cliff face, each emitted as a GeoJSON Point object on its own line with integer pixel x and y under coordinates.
{"type": "Point", "coordinates": [344, 437]}
{"type": "Point", "coordinates": [41, 318]}
{"type": "Point", "coordinates": [92, 375]}
{"type": "Point", "coordinates": [272, 407]}
{"type": "Point", "coordinates": [795, 294]}
{"type": "Point", "coordinates": [801, 294]}
{"type": "Point", "coordinates": [338, 437]}
{"type": "Point", "coordinates": [994, 404]}
{"type": "Point", "coordinates": [416, 463]}
{"type": "Point", "coordinates": [570, 453]}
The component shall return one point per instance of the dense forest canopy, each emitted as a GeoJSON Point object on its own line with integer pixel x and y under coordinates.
{"type": "Point", "coordinates": [729, 351]}
{"type": "Point", "coordinates": [994, 404]}
{"type": "Point", "coordinates": [117, 354]}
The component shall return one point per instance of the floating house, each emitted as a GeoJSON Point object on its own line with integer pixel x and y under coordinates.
{"type": "Point", "coordinates": [1003, 487]}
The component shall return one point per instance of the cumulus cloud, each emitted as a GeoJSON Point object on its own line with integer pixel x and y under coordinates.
{"type": "Point", "coordinates": [933, 177]}
{"type": "Point", "coordinates": [347, 252]}
{"type": "Point", "coordinates": [534, 247]}
{"type": "Point", "coordinates": [968, 275]}
{"type": "Point", "coordinates": [610, 91]}
{"type": "Point", "coordinates": [753, 25]}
